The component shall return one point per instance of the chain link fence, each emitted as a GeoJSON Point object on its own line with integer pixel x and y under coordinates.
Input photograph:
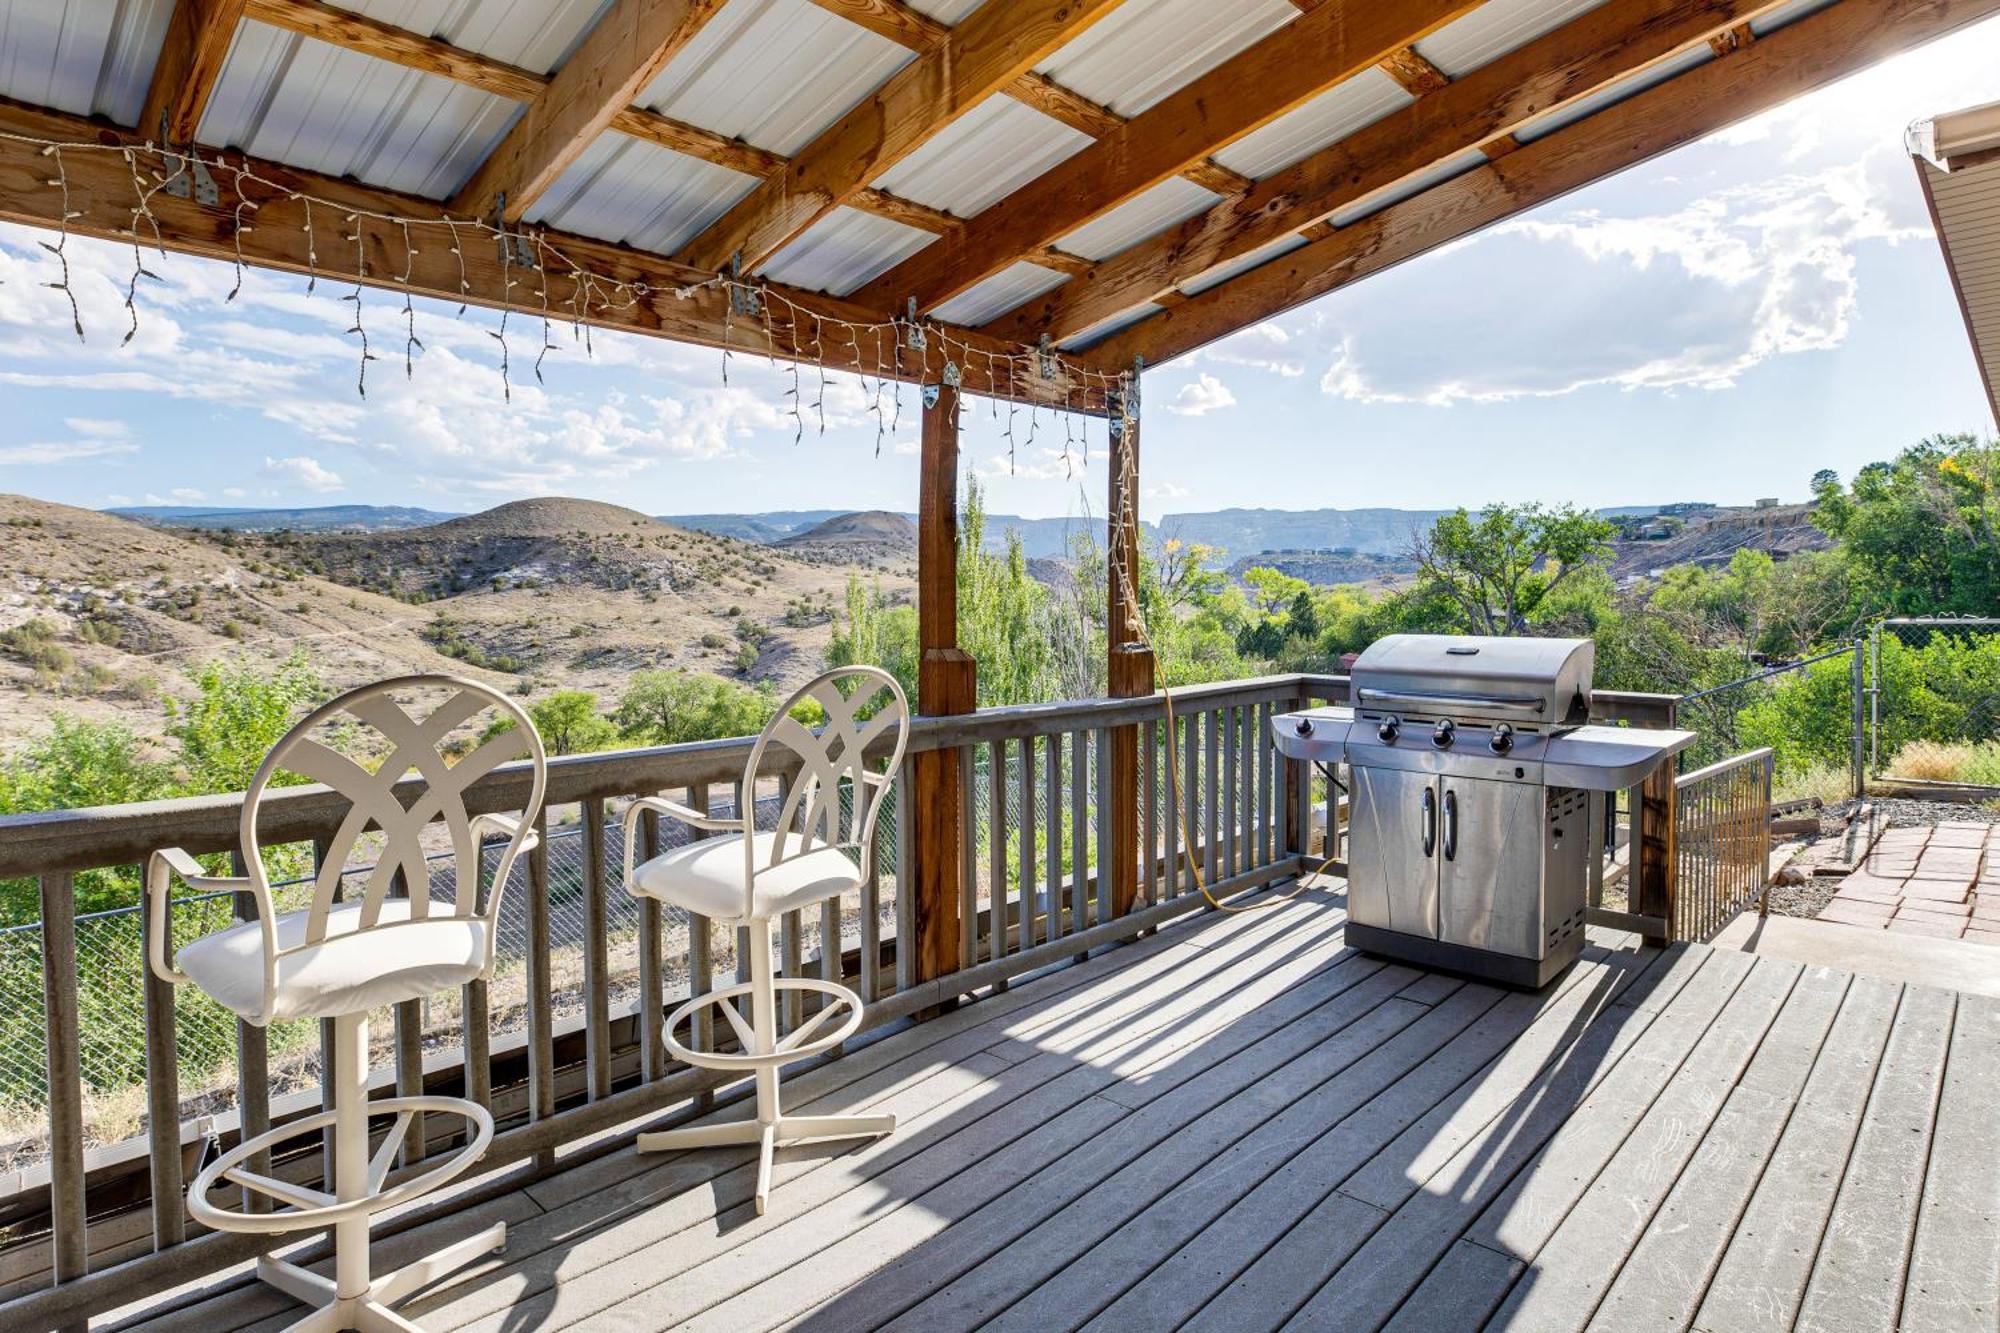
{"type": "Point", "coordinates": [1934, 701]}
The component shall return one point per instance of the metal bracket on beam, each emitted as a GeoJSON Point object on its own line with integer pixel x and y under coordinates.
{"type": "Point", "coordinates": [953, 375]}
{"type": "Point", "coordinates": [190, 179]}
{"type": "Point", "coordinates": [743, 298]}
{"type": "Point", "coordinates": [1045, 358]}
{"type": "Point", "coordinates": [917, 341]}
{"type": "Point", "coordinates": [516, 251]}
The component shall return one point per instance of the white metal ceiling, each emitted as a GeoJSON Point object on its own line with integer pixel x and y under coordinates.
{"type": "Point", "coordinates": [86, 57]}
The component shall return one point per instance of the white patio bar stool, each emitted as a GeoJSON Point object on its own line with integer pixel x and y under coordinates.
{"type": "Point", "coordinates": [339, 960]}
{"type": "Point", "coordinates": [822, 847]}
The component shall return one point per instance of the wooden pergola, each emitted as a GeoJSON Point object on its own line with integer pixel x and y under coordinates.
{"type": "Point", "coordinates": [1031, 199]}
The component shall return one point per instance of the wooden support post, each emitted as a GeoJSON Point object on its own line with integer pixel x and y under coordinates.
{"type": "Point", "coordinates": [1129, 669]}
{"type": "Point", "coordinates": [946, 684]}
{"type": "Point", "coordinates": [1655, 843]}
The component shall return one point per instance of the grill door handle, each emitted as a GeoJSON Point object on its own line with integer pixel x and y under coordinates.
{"type": "Point", "coordinates": [1430, 821]}
{"type": "Point", "coordinates": [1451, 826]}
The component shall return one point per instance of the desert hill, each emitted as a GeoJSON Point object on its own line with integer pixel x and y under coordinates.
{"type": "Point", "coordinates": [1714, 538]}
{"type": "Point", "coordinates": [99, 616]}
{"type": "Point", "coordinates": [871, 537]}
{"type": "Point", "coordinates": [316, 518]}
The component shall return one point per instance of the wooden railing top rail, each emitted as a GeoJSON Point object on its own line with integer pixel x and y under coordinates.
{"type": "Point", "coordinates": [1722, 766]}
{"type": "Point", "coordinates": [94, 836]}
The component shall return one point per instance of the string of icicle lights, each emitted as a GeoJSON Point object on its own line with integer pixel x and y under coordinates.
{"type": "Point", "coordinates": [872, 350]}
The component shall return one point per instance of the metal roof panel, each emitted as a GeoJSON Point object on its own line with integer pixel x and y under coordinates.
{"type": "Point", "coordinates": [314, 106]}
{"type": "Point", "coordinates": [774, 73]}
{"type": "Point", "coordinates": [1333, 115]}
{"type": "Point", "coordinates": [534, 34]}
{"type": "Point", "coordinates": [1000, 293]}
{"type": "Point", "coordinates": [87, 57]}
{"type": "Point", "coordinates": [844, 250]}
{"type": "Point", "coordinates": [625, 190]}
{"type": "Point", "coordinates": [1495, 28]}
{"type": "Point", "coordinates": [1145, 214]}
{"type": "Point", "coordinates": [983, 156]}
{"type": "Point", "coordinates": [1142, 52]}
{"type": "Point", "coordinates": [1242, 264]}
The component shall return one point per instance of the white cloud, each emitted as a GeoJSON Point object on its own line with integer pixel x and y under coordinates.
{"type": "Point", "coordinates": [1165, 490]}
{"type": "Point", "coordinates": [1202, 395]}
{"type": "Point", "coordinates": [94, 439]}
{"type": "Point", "coordinates": [303, 471]}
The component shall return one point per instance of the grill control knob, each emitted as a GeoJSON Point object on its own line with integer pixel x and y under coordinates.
{"type": "Point", "coordinates": [1443, 733]}
{"type": "Point", "coordinates": [1388, 728]}
{"type": "Point", "coordinates": [1503, 738]}
{"type": "Point", "coordinates": [1305, 726]}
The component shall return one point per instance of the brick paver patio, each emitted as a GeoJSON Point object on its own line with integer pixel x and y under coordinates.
{"type": "Point", "coordinates": [1942, 881]}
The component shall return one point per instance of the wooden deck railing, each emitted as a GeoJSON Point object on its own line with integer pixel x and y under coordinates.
{"type": "Point", "coordinates": [567, 1044]}
{"type": "Point", "coordinates": [1723, 823]}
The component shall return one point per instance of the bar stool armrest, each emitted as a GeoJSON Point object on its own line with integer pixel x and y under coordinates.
{"type": "Point", "coordinates": [161, 866]}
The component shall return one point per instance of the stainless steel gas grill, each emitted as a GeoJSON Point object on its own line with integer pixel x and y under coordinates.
{"type": "Point", "coordinates": [1474, 782]}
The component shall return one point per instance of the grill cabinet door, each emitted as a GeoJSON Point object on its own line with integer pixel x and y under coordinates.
{"type": "Point", "coordinates": [1392, 877]}
{"type": "Point", "coordinates": [1490, 854]}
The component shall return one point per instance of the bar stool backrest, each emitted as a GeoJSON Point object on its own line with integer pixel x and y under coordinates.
{"type": "Point", "coordinates": [836, 797]}
{"type": "Point", "coordinates": [412, 745]}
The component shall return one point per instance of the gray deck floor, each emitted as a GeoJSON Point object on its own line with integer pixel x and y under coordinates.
{"type": "Point", "coordinates": [1241, 1124]}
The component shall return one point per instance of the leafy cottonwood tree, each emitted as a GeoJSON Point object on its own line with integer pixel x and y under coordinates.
{"type": "Point", "coordinates": [1497, 568]}
{"type": "Point", "coordinates": [1921, 534]}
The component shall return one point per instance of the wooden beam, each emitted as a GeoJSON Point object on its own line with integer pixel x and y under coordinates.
{"type": "Point", "coordinates": [947, 684]}
{"type": "Point", "coordinates": [621, 54]}
{"type": "Point", "coordinates": [1002, 40]}
{"type": "Point", "coordinates": [1419, 77]}
{"type": "Point", "coordinates": [101, 192]}
{"type": "Point", "coordinates": [399, 46]}
{"type": "Point", "coordinates": [1245, 92]}
{"type": "Point", "coordinates": [907, 27]}
{"type": "Point", "coordinates": [1797, 58]}
{"type": "Point", "coordinates": [197, 42]}
{"type": "Point", "coordinates": [1481, 109]}
{"type": "Point", "coordinates": [1129, 658]}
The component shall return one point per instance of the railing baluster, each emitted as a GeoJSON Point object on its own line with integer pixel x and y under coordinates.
{"type": "Point", "coordinates": [1107, 824]}
{"type": "Point", "coordinates": [1211, 779]}
{"type": "Point", "coordinates": [596, 961]}
{"type": "Point", "coordinates": [253, 1067]}
{"type": "Point", "coordinates": [906, 930]}
{"type": "Point", "coordinates": [745, 810]}
{"type": "Point", "coordinates": [1190, 812]}
{"type": "Point", "coordinates": [1149, 821]}
{"type": "Point", "coordinates": [475, 1016]}
{"type": "Point", "coordinates": [1025, 842]}
{"type": "Point", "coordinates": [163, 1092]}
{"type": "Point", "coordinates": [701, 952]}
{"type": "Point", "coordinates": [1053, 853]}
{"type": "Point", "coordinates": [1232, 809]}
{"type": "Point", "coordinates": [791, 1011]}
{"type": "Point", "coordinates": [870, 924]}
{"type": "Point", "coordinates": [1266, 752]}
{"type": "Point", "coordinates": [322, 849]}
{"type": "Point", "coordinates": [1079, 816]}
{"type": "Point", "coordinates": [68, 1227]}
{"type": "Point", "coordinates": [541, 989]}
{"type": "Point", "coordinates": [652, 980]}
{"type": "Point", "coordinates": [996, 847]}
{"type": "Point", "coordinates": [830, 951]}
{"type": "Point", "coordinates": [409, 1055]}
{"type": "Point", "coordinates": [968, 857]}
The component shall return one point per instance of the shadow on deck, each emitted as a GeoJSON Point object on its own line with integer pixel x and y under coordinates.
{"type": "Point", "coordinates": [1239, 1123]}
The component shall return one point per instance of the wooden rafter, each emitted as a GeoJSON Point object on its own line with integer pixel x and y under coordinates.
{"type": "Point", "coordinates": [191, 56]}
{"type": "Point", "coordinates": [1001, 41]}
{"type": "Point", "coordinates": [1247, 91]}
{"type": "Point", "coordinates": [372, 37]}
{"type": "Point", "coordinates": [622, 53]}
{"type": "Point", "coordinates": [100, 192]}
{"type": "Point", "coordinates": [1479, 110]}
{"type": "Point", "coordinates": [1419, 77]}
{"type": "Point", "coordinates": [1748, 79]}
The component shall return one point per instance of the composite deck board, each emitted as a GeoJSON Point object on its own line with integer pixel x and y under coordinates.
{"type": "Point", "coordinates": [1769, 1257]}
{"type": "Point", "coordinates": [1157, 1289]}
{"type": "Point", "coordinates": [1663, 1277]}
{"type": "Point", "coordinates": [1857, 1279]}
{"type": "Point", "coordinates": [1239, 1123]}
{"type": "Point", "coordinates": [1950, 1288]}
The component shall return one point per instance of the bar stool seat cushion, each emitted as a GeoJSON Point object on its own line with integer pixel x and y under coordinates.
{"type": "Point", "coordinates": [346, 973]}
{"type": "Point", "coordinates": [706, 877]}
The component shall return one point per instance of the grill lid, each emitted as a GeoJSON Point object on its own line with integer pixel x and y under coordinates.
{"type": "Point", "coordinates": [1533, 683]}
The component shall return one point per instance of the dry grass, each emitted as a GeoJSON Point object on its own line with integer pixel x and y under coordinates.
{"type": "Point", "coordinates": [1830, 783]}
{"type": "Point", "coordinates": [1949, 761]}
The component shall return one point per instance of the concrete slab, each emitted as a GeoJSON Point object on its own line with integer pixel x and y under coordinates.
{"type": "Point", "coordinates": [1919, 959]}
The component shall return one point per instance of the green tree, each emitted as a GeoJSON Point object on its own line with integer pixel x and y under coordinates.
{"type": "Point", "coordinates": [669, 707]}
{"type": "Point", "coordinates": [240, 710]}
{"type": "Point", "coordinates": [569, 723]}
{"type": "Point", "coordinates": [1919, 532]}
{"type": "Point", "coordinates": [1498, 567]}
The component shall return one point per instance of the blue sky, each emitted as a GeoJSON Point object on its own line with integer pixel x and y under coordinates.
{"type": "Point", "coordinates": [1717, 324]}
